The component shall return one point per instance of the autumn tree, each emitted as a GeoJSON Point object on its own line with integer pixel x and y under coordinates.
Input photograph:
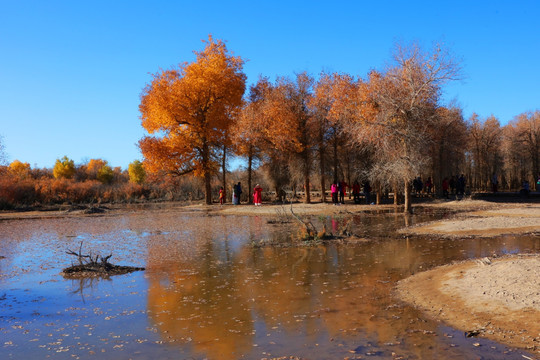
{"type": "Point", "coordinates": [19, 169]}
{"type": "Point", "coordinates": [485, 140]}
{"type": "Point", "coordinates": [397, 109]}
{"type": "Point", "coordinates": [333, 105]}
{"type": "Point", "coordinates": [187, 112]}
{"type": "Point", "coordinates": [290, 124]}
{"type": "Point", "coordinates": [64, 168]}
{"type": "Point", "coordinates": [448, 144]}
{"type": "Point", "coordinates": [136, 171]}
{"type": "Point", "coordinates": [248, 133]}
{"type": "Point", "coordinates": [99, 169]}
{"type": "Point", "coordinates": [526, 133]}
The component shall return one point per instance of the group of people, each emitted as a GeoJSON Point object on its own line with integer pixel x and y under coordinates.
{"type": "Point", "coordinates": [237, 193]}
{"type": "Point", "coordinates": [339, 188]}
{"type": "Point", "coordinates": [419, 186]}
{"type": "Point", "coordinates": [455, 185]}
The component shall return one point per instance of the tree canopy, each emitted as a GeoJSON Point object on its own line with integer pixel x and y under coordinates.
{"type": "Point", "coordinates": [188, 110]}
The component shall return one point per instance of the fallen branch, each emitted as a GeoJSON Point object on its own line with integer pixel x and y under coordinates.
{"type": "Point", "coordinates": [92, 266]}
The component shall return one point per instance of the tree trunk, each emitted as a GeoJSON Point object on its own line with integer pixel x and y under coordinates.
{"type": "Point", "coordinates": [408, 204]}
{"type": "Point", "coordinates": [250, 162]}
{"type": "Point", "coordinates": [322, 166]}
{"type": "Point", "coordinates": [335, 158]}
{"type": "Point", "coordinates": [396, 194]}
{"type": "Point", "coordinates": [224, 172]}
{"type": "Point", "coordinates": [208, 187]}
{"type": "Point", "coordinates": [206, 172]}
{"type": "Point", "coordinates": [308, 193]}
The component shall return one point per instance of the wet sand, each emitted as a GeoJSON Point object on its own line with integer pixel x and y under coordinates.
{"type": "Point", "coordinates": [494, 298]}
{"type": "Point", "coordinates": [506, 219]}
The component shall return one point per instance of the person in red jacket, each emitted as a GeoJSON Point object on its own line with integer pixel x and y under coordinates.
{"type": "Point", "coordinates": [356, 192]}
{"type": "Point", "coordinates": [445, 186]}
{"type": "Point", "coordinates": [257, 195]}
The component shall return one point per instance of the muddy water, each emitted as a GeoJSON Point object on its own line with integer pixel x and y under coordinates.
{"type": "Point", "coordinates": [209, 292]}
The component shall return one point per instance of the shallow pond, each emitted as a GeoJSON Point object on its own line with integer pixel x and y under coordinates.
{"type": "Point", "coordinates": [208, 292]}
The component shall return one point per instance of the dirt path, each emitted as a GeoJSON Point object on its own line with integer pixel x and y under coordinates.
{"type": "Point", "coordinates": [494, 298]}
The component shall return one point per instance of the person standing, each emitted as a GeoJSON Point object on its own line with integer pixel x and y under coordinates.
{"type": "Point", "coordinates": [356, 192]}
{"type": "Point", "coordinates": [494, 183]}
{"type": "Point", "coordinates": [342, 190]}
{"type": "Point", "coordinates": [367, 190]}
{"type": "Point", "coordinates": [461, 185]}
{"type": "Point", "coordinates": [239, 189]}
{"type": "Point", "coordinates": [428, 185]}
{"type": "Point", "coordinates": [334, 192]}
{"type": "Point", "coordinates": [445, 187]}
{"type": "Point", "coordinates": [235, 194]}
{"type": "Point", "coordinates": [221, 195]}
{"type": "Point", "coordinates": [257, 195]}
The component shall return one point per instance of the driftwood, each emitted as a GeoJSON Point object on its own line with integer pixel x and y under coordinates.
{"type": "Point", "coordinates": [94, 266]}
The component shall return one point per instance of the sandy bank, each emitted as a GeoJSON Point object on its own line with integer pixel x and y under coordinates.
{"type": "Point", "coordinates": [497, 298]}
{"type": "Point", "coordinates": [510, 219]}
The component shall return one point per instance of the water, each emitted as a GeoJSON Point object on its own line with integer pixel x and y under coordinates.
{"type": "Point", "coordinates": [209, 293]}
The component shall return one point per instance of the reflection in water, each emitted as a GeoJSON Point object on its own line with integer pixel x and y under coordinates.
{"type": "Point", "coordinates": [208, 293]}
{"type": "Point", "coordinates": [223, 300]}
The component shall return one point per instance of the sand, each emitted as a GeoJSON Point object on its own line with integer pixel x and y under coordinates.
{"type": "Point", "coordinates": [517, 219]}
{"type": "Point", "coordinates": [495, 298]}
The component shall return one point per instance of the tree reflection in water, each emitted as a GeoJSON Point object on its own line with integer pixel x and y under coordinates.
{"type": "Point", "coordinates": [223, 300]}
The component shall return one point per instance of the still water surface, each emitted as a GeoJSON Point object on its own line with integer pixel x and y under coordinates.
{"type": "Point", "coordinates": [209, 293]}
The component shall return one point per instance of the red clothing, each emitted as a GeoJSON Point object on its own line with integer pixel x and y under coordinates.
{"type": "Point", "coordinates": [221, 196]}
{"type": "Point", "coordinates": [445, 185]}
{"type": "Point", "coordinates": [257, 195]}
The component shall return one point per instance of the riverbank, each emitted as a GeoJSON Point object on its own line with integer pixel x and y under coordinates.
{"type": "Point", "coordinates": [505, 219]}
{"type": "Point", "coordinates": [494, 298]}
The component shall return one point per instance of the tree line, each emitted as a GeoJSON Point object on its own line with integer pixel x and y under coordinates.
{"type": "Point", "coordinates": [387, 128]}
{"type": "Point", "coordinates": [301, 132]}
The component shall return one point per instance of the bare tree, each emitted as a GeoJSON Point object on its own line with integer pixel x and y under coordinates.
{"type": "Point", "coordinates": [399, 107]}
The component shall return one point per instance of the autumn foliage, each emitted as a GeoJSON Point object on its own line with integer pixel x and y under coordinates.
{"type": "Point", "coordinates": [188, 110]}
{"type": "Point", "coordinates": [297, 135]}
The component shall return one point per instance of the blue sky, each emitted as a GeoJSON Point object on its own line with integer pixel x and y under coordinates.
{"type": "Point", "coordinates": [71, 72]}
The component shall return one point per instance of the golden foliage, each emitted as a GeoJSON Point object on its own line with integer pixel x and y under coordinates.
{"type": "Point", "coordinates": [19, 169]}
{"type": "Point", "coordinates": [136, 171]}
{"type": "Point", "coordinates": [64, 168]}
{"type": "Point", "coordinates": [189, 110]}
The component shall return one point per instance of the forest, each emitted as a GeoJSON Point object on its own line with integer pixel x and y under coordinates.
{"type": "Point", "coordinates": [294, 134]}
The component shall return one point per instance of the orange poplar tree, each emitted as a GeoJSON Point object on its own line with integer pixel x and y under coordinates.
{"type": "Point", "coordinates": [187, 112]}
{"type": "Point", "coordinates": [249, 128]}
{"type": "Point", "coordinates": [290, 124]}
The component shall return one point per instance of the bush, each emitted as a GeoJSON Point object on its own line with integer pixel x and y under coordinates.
{"type": "Point", "coordinates": [15, 192]}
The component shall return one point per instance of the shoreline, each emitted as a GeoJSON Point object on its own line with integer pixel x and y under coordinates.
{"type": "Point", "coordinates": [494, 298]}
{"type": "Point", "coordinates": [443, 292]}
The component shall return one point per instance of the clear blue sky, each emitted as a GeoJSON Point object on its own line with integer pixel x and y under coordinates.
{"type": "Point", "coordinates": [71, 72]}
